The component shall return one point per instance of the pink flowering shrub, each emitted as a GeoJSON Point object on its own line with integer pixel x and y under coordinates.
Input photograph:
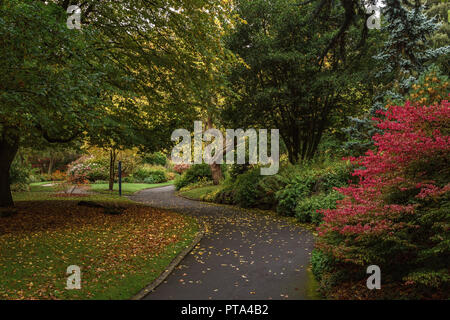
{"type": "Point", "coordinates": [78, 171]}
{"type": "Point", "coordinates": [398, 215]}
{"type": "Point", "coordinates": [180, 168]}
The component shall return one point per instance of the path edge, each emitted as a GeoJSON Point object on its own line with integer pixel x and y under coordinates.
{"type": "Point", "coordinates": [163, 276]}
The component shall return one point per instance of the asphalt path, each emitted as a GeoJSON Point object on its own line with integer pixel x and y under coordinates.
{"type": "Point", "coordinates": [245, 254]}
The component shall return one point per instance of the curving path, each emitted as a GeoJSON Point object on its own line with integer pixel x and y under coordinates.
{"type": "Point", "coordinates": [243, 255]}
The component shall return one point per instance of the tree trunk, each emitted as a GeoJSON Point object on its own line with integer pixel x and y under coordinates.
{"type": "Point", "coordinates": [50, 165]}
{"type": "Point", "coordinates": [9, 145]}
{"type": "Point", "coordinates": [216, 169]}
{"type": "Point", "coordinates": [112, 162]}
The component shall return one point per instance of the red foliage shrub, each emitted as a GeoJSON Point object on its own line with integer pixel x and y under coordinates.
{"type": "Point", "coordinates": [398, 215]}
{"type": "Point", "coordinates": [180, 168]}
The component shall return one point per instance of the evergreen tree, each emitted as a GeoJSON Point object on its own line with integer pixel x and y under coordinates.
{"type": "Point", "coordinates": [439, 10]}
{"type": "Point", "coordinates": [405, 55]}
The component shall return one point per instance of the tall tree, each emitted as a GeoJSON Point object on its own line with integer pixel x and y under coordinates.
{"type": "Point", "coordinates": [60, 83]}
{"type": "Point", "coordinates": [288, 83]}
{"type": "Point", "coordinates": [405, 55]}
{"type": "Point", "coordinates": [49, 80]}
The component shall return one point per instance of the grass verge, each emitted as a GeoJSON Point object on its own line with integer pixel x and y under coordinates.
{"type": "Point", "coordinates": [127, 188]}
{"type": "Point", "coordinates": [200, 193]}
{"type": "Point", "coordinates": [118, 254]}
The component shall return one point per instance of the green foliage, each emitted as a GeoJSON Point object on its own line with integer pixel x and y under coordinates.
{"type": "Point", "coordinates": [404, 57]}
{"type": "Point", "coordinates": [307, 209]}
{"type": "Point", "coordinates": [98, 171]}
{"type": "Point", "coordinates": [246, 191]}
{"type": "Point", "coordinates": [290, 195]}
{"type": "Point", "coordinates": [225, 195]}
{"type": "Point", "coordinates": [302, 182]}
{"type": "Point", "coordinates": [285, 83]}
{"type": "Point", "coordinates": [150, 174]}
{"type": "Point", "coordinates": [194, 174]}
{"type": "Point", "coordinates": [20, 173]}
{"type": "Point", "coordinates": [320, 263]}
{"type": "Point", "coordinates": [237, 169]}
{"type": "Point", "coordinates": [431, 88]}
{"type": "Point", "coordinates": [156, 158]}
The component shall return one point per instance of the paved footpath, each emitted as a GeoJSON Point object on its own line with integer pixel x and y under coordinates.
{"type": "Point", "coordinates": [243, 255]}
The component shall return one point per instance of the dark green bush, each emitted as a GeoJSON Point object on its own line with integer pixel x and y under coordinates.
{"type": "Point", "coordinates": [20, 173]}
{"type": "Point", "coordinates": [98, 173]}
{"type": "Point", "coordinates": [157, 158]}
{"type": "Point", "coordinates": [320, 263]}
{"type": "Point", "coordinates": [128, 179]}
{"type": "Point", "coordinates": [289, 196]}
{"type": "Point", "coordinates": [238, 169]}
{"type": "Point", "coordinates": [194, 174]}
{"type": "Point", "coordinates": [307, 208]}
{"type": "Point", "coordinates": [155, 175]}
{"type": "Point", "coordinates": [250, 189]}
{"type": "Point", "coordinates": [225, 195]}
{"type": "Point", "coordinates": [246, 189]}
{"type": "Point", "coordinates": [304, 181]}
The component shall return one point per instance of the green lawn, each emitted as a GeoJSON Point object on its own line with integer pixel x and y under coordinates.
{"type": "Point", "coordinates": [127, 188]}
{"type": "Point", "coordinates": [118, 254]}
{"type": "Point", "coordinates": [199, 193]}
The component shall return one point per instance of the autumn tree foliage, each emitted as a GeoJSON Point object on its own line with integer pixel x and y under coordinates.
{"type": "Point", "coordinates": [398, 215]}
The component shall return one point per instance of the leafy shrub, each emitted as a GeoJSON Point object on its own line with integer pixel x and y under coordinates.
{"type": "Point", "coordinates": [20, 173]}
{"type": "Point", "coordinates": [171, 175]}
{"type": "Point", "coordinates": [101, 182]}
{"type": "Point", "coordinates": [58, 176]}
{"type": "Point", "coordinates": [289, 196]}
{"type": "Point", "coordinates": [194, 174]}
{"type": "Point", "coordinates": [157, 158]}
{"type": "Point", "coordinates": [320, 263]}
{"type": "Point", "coordinates": [180, 168]}
{"type": "Point", "coordinates": [153, 174]}
{"type": "Point", "coordinates": [397, 216]}
{"type": "Point", "coordinates": [97, 172]}
{"type": "Point", "coordinates": [302, 182]}
{"type": "Point", "coordinates": [225, 195]}
{"type": "Point", "coordinates": [78, 170]}
{"type": "Point", "coordinates": [128, 179]}
{"type": "Point", "coordinates": [308, 209]}
{"type": "Point", "coordinates": [431, 87]}
{"type": "Point", "coordinates": [246, 191]}
{"type": "Point", "coordinates": [238, 169]}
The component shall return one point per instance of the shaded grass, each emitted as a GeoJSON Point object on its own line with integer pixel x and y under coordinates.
{"type": "Point", "coordinates": [127, 188]}
{"type": "Point", "coordinates": [200, 193]}
{"type": "Point", "coordinates": [118, 254]}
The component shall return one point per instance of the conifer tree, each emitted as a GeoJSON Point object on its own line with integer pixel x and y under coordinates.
{"type": "Point", "coordinates": [404, 56]}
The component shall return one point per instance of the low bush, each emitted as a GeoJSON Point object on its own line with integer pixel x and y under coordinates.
{"type": "Point", "coordinates": [58, 176]}
{"type": "Point", "coordinates": [180, 168]}
{"type": "Point", "coordinates": [20, 173]}
{"type": "Point", "coordinates": [320, 263]}
{"type": "Point", "coordinates": [157, 158]}
{"type": "Point", "coordinates": [303, 181]}
{"type": "Point", "coordinates": [128, 179]}
{"type": "Point", "coordinates": [150, 174]}
{"type": "Point", "coordinates": [225, 195]}
{"type": "Point", "coordinates": [194, 174]}
{"type": "Point", "coordinates": [398, 214]}
{"type": "Point", "coordinates": [309, 209]}
{"type": "Point", "coordinates": [78, 170]}
{"type": "Point", "coordinates": [246, 191]}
